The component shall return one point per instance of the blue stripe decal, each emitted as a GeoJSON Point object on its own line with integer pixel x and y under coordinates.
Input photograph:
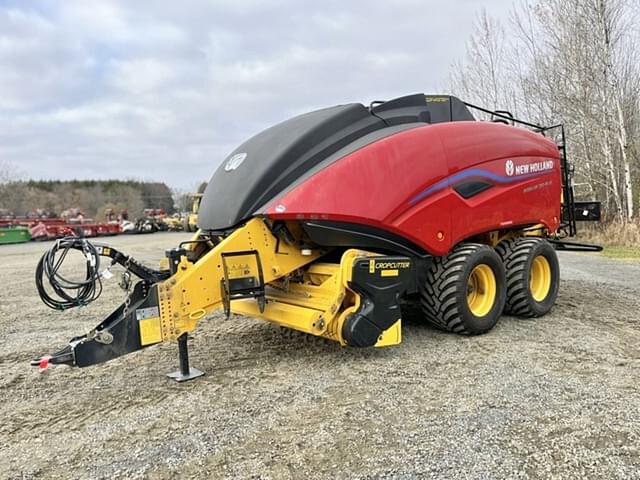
{"type": "Point", "coordinates": [474, 172]}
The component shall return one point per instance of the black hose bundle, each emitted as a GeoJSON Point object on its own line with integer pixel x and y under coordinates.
{"type": "Point", "coordinates": [69, 293]}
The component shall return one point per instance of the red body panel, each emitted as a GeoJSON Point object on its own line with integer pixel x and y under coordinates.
{"type": "Point", "coordinates": [404, 184]}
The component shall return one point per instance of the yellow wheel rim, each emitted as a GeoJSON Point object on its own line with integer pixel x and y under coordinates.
{"type": "Point", "coordinates": [540, 278]}
{"type": "Point", "coordinates": [481, 290]}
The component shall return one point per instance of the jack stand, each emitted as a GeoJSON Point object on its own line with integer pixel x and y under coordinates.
{"type": "Point", "coordinates": [185, 373]}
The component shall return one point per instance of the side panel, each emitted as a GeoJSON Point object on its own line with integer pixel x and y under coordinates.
{"type": "Point", "coordinates": [373, 186]}
{"type": "Point", "coordinates": [522, 167]}
{"type": "Point", "coordinates": [409, 184]}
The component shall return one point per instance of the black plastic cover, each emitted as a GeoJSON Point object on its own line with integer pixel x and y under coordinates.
{"type": "Point", "coordinates": [275, 158]}
{"type": "Point", "coordinates": [351, 235]}
{"type": "Point", "coordinates": [380, 282]}
{"type": "Point", "coordinates": [423, 108]}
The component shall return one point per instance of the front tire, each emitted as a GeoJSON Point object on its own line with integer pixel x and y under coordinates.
{"type": "Point", "coordinates": [465, 291]}
{"type": "Point", "coordinates": [533, 276]}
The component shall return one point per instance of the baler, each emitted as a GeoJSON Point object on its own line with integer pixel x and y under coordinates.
{"type": "Point", "coordinates": [326, 223]}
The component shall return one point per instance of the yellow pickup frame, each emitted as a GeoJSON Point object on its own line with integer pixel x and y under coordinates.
{"type": "Point", "coordinates": [195, 289]}
{"type": "Point", "coordinates": [319, 305]}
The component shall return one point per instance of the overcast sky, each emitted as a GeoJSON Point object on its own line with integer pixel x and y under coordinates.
{"type": "Point", "coordinates": [165, 90]}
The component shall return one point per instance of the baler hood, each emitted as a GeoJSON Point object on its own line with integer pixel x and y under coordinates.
{"type": "Point", "coordinates": [270, 162]}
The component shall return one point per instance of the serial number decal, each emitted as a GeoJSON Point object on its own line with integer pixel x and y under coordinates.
{"type": "Point", "coordinates": [537, 186]}
{"type": "Point", "coordinates": [144, 313]}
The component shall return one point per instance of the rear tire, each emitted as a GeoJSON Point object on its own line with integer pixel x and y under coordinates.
{"type": "Point", "coordinates": [533, 275]}
{"type": "Point", "coordinates": [465, 291]}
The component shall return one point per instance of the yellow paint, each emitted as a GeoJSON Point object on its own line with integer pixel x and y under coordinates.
{"type": "Point", "coordinates": [540, 278]}
{"type": "Point", "coordinates": [318, 304]}
{"type": "Point", "coordinates": [481, 290]}
{"type": "Point", "coordinates": [429, 99]}
{"type": "Point", "coordinates": [497, 236]}
{"type": "Point", "coordinates": [389, 273]}
{"type": "Point", "coordinates": [537, 230]}
{"type": "Point", "coordinates": [198, 314]}
{"type": "Point", "coordinates": [318, 307]}
{"type": "Point", "coordinates": [196, 286]}
{"type": "Point", "coordinates": [391, 336]}
{"type": "Point", "coordinates": [150, 331]}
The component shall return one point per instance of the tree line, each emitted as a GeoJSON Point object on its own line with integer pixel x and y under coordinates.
{"type": "Point", "coordinates": [93, 197]}
{"type": "Point", "coordinates": [574, 62]}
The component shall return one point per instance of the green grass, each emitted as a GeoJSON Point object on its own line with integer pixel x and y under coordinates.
{"type": "Point", "coordinates": [616, 251]}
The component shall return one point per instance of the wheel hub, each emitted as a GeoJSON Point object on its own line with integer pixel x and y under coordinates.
{"type": "Point", "coordinates": [481, 290]}
{"type": "Point", "coordinates": [540, 278]}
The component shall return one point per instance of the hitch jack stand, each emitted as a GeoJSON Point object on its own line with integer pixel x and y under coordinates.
{"type": "Point", "coordinates": [185, 373]}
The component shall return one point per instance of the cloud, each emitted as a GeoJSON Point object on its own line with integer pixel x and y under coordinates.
{"type": "Point", "coordinates": [164, 90]}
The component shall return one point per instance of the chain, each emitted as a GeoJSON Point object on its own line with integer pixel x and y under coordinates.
{"type": "Point", "coordinates": [125, 284]}
{"type": "Point", "coordinates": [104, 336]}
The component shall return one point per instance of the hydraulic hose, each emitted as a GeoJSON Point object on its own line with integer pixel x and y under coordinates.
{"type": "Point", "coordinates": [68, 293]}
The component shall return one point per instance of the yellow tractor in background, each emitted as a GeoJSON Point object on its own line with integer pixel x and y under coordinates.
{"type": "Point", "coordinates": [174, 222]}
{"type": "Point", "coordinates": [190, 219]}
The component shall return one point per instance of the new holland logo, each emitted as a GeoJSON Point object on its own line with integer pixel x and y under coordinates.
{"type": "Point", "coordinates": [532, 168]}
{"type": "Point", "coordinates": [234, 162]}
{"type": "Point", "coordinates": [508, 167]}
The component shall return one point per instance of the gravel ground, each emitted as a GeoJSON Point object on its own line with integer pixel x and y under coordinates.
{"type": "Point", "coordinates": [556, 397]}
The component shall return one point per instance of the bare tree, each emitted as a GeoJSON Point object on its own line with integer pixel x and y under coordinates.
{"type": "Point", "coordinates": [482, 77]}
{"type": "Point", "coordinates": [9, 195]}
{"type": "Point", "coordinates": [574, 61]}
{"type": "Point", "coordinates": [8, 172]}
{"type": "Point", "coordinates": [181, 199]}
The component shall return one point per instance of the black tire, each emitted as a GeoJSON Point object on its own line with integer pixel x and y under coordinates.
{"type": "Point", "coordinates": [518, 255]}
{"type": "Point", "coordinates": [444, 296]}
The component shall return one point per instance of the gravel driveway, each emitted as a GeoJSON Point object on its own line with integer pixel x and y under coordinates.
{"type": "Point", "coordinates": [556, 397]}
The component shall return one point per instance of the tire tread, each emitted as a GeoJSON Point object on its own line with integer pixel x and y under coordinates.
{"type": "Point", "coordinates": [438, 297]}
{"type": "Point", "coordinates": [515, 253]}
